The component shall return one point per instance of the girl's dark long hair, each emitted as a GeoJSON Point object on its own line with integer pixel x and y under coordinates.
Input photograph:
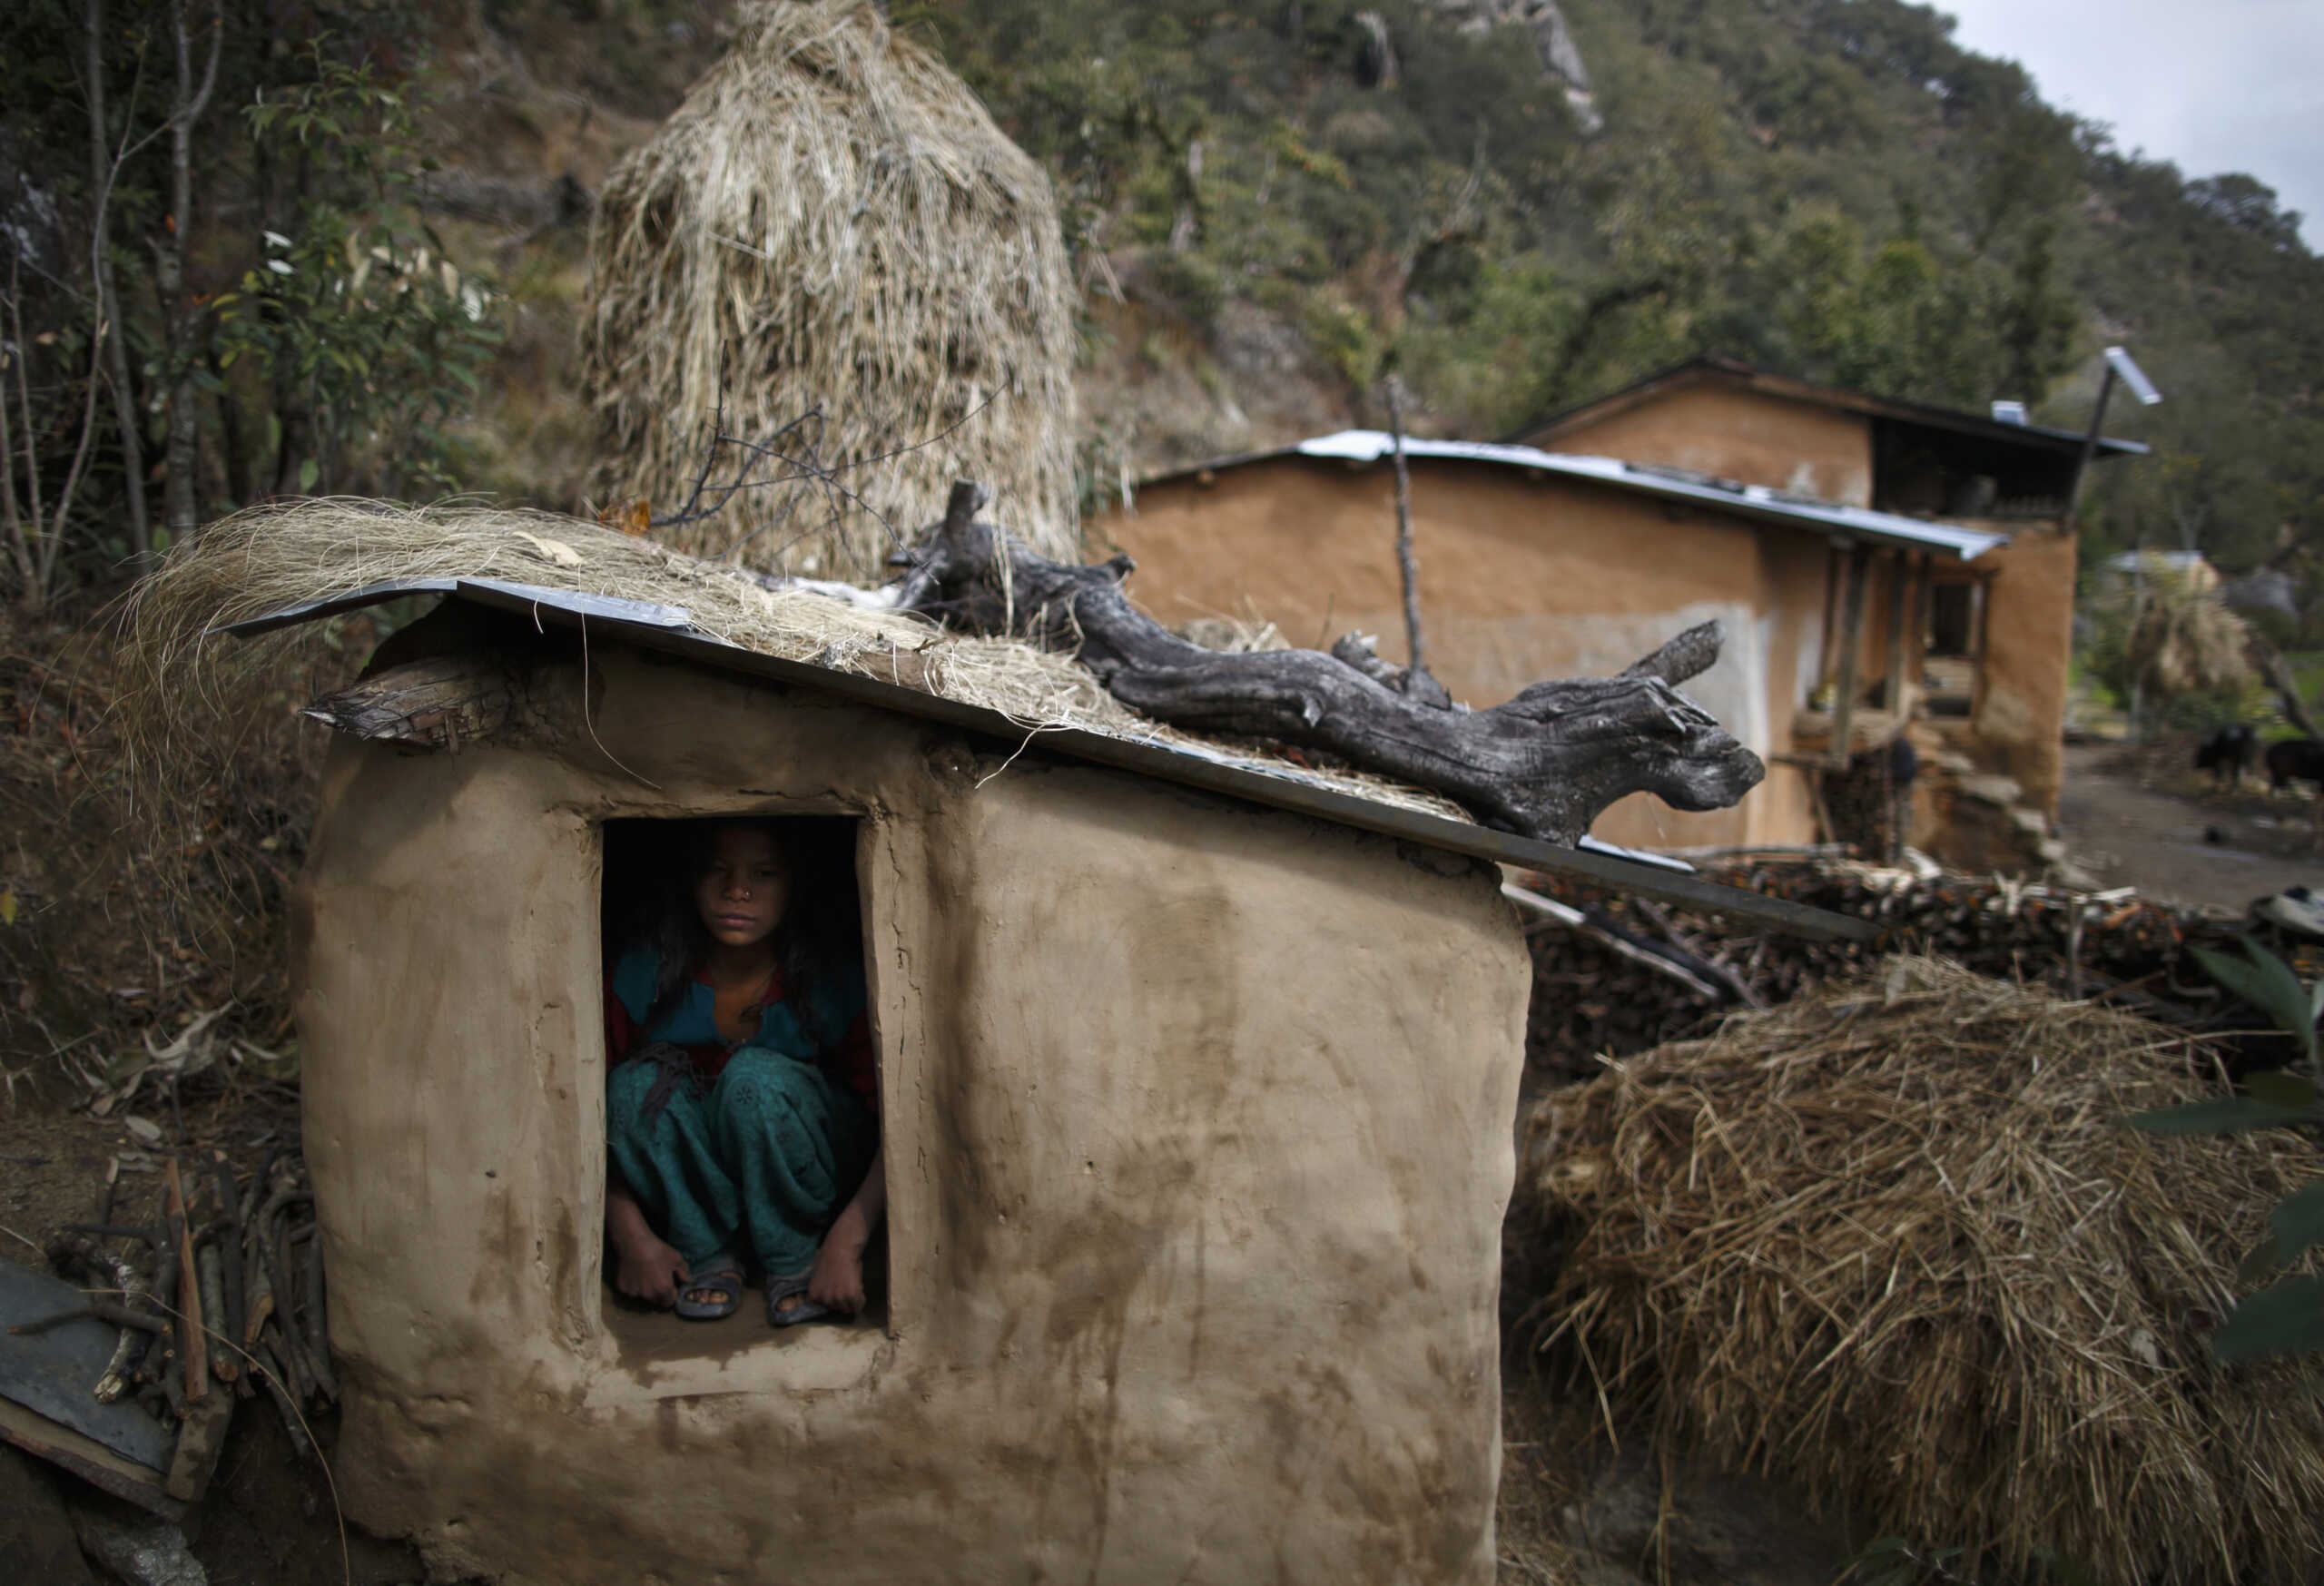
{"type": "Point", "coordinates": [821, 929]}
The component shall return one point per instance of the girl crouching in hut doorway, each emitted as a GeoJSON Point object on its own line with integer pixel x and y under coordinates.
{"type": "Point", "coordinates": [742, 1104]}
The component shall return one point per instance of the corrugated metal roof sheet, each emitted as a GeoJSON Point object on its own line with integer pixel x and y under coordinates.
{"type": "Point", "coordinates": [1984, 426]}
{"type": "Point", "coordinates": [1754, 501]}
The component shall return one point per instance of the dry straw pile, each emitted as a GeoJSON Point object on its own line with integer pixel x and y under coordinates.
{"type": "Point", "coordinates": [831, 222]}
{"type": "Point", "coordinates": [1893, 1244]}
{"type": "Point", "coordinates": [187, 691]}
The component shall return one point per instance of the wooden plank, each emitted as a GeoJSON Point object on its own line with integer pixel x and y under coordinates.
{"type": "Point", "coordinates": [1828, 655]}
{"type": "Point", "coordinates": [86, 1458]}
{"type": "Point", "coordinates": [1980, 615]}
{"type": "Point", "coordinates": [1900, 584]}
{"type": "Point", "coordinates": [1851, 646]}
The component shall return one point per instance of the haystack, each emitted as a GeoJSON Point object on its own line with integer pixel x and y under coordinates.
{"type": "Point", "coordinates": [1894, 1244]}
{"type": "Point", "coordinates": [830, 224]}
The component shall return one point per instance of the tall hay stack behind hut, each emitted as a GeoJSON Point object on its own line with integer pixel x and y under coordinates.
{"type": "Point", "coordinates": [832, 222]}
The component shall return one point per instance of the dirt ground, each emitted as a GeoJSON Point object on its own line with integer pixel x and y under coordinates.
{"type": "Point", "coordinates": [269, 1519]}
{"type": "Point", "coordinates": [2144, 817]}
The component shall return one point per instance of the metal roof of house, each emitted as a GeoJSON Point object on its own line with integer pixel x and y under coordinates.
{"type": "Point", "coordinates": [669, 630]}
{"type": "Point", "coordinates": [1754, 502]}
{"type": "Point", "coordinates": [1923, 414]}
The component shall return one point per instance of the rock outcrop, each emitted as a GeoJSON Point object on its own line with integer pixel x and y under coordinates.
{"type": "Point", "coordinates": [1553, 40]}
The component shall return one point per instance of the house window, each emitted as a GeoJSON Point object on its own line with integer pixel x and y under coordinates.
{"type": "Point", "coordinates": [742, 1101]}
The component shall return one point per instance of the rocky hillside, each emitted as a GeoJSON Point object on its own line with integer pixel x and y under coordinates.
{"type": "Point", "coordinates": [1516, 203]}
{"type": "Point", "coordinates": [1522, 203]}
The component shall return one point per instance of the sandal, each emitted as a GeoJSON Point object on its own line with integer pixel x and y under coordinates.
{"type": "Point", "coordinates": [779, 1289]}
{"type": "Point", "coordinates": [723, 1280]}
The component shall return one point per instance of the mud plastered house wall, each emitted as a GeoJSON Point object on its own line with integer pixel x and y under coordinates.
{"type": "Point", "coordinates": [2000, 626]}
{"type": "Point", "coordinates": [1197, 1118]}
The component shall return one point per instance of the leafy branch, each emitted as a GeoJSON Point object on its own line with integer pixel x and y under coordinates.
{"type": "Point", "coordinates": [2287, 1317]}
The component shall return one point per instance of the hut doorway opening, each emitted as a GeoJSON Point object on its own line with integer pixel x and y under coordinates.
{"type": "Point", "coordinates": [742, 1104]}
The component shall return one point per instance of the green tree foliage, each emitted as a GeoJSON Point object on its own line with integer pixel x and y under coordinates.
{"type": "Point", "coordinates": [1831, 187]}
{"type": "Point", "coordinates": [217, 287]}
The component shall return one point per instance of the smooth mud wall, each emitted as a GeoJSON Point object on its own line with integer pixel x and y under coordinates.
{"type": "Point", "coordinates": [1198, 1119]}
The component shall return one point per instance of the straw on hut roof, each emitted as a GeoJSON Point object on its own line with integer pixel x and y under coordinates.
{"type": "Point", "coordinates": [1894, 1244]}
{"type": "Point", "coordinates": [831, 222]}
{"type": "Point", "coordinates": [179, 688]}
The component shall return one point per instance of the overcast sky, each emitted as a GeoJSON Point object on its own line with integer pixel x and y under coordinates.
{"type": "Point", "coordinates": [2212, 86]}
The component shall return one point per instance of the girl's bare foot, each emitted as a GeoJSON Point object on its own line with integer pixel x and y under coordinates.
{"type": "Point", "coordinates": [648, 1268]}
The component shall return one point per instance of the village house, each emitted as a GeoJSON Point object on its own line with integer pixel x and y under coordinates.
{"type": "Point", "coordinates": [1863, 554]}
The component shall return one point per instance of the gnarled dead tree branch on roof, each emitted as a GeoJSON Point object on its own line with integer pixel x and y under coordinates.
{"type": "Point", "coordinates": [1543, 765]}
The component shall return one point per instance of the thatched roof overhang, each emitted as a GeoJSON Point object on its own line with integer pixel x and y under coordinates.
{"type": "Point", "coordinates": [666, 630]}
{"type": "Point", "coordinates": [1755, 503]}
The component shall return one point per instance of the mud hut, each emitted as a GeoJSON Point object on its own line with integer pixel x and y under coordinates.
{"type": "Point", "coordinates": [1198, 1105]}
{"type": "Point", "coordinates": [829, 252]}
{"type": "Point", "coordinates": [1196, 1068]}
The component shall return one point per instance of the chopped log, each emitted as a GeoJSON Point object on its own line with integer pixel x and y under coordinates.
{"type": "Point", "coordinates": [193, 1347]}
{"type": "Point", "coordinates": [1543, 765]}
{"type": "Point", "coordinates": [229, 1324]}
{"type": "Point", "coordinates": [136, 1337]}
{"type": "Point", "coordinates": [214, 1311]}
{"type": "Point", "coordinates": [318, 1338]}
{"type": "Point", "coordinates": [268, 1370]}
{"type": "Point", "coordinates": [159, 1363]}
{"type": "Point", "coordinates": [76, 1245]}
{"type": "Point", "coordinates": [202, 1437]}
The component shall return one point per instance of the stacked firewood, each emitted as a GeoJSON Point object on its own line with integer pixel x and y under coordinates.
{"type": "Point", "coordinates": [219, 1296]}
{"type": "Point", "coordinates": [1595, 992]}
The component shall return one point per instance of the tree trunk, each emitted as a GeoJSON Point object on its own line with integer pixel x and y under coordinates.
{"type": "Point", "coordinates": [1543, 765]}
{"type": "Point", "coordinates": [181, 468]}
{"type": "Point", "coordinates": [109, 326]}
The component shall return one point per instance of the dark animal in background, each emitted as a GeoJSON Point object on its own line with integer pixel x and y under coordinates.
{"type": "Point", "coordinates": [2295, 760]}
{"type": "Point", "coordinates": [2300, 759]}
{"type": "Point", "coordinates": [2228, 754]}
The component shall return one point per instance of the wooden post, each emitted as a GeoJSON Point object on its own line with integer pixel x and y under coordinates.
{"type": "Point", "coordinates": [2089, 450]}
{"type": "Point", "coordinates": [1980, 618]}
{"type": "Point", "coordinates": [1900, 581]}
{"type": "Point", "coordinates": [1405, 563]}
{"type": "Point", "coordinates": [1831, 612]}
{"type": "Point", "coordinates": [1851, 643]}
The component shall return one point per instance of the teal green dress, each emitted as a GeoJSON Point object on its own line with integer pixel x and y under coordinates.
{"type": "Point", "coordinates": [750, 1147]}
